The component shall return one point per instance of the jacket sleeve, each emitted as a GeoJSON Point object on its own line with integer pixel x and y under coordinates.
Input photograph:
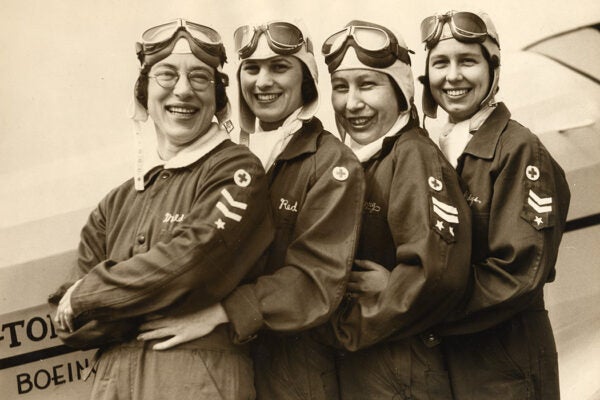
{"type": "Point", "coordinates": [527, 215]}
{"type": "Point", "coordinates": [431, 228]}
{"type": "Point", "coordinates": [201, 257]}
{"type": "Point", "coordinates": [91, 251]}
{"type": "Point", "coordinates": [304, 291]}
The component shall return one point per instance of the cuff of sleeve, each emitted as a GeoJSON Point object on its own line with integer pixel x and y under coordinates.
{"type": "Point", "coordinates": [242, 308]}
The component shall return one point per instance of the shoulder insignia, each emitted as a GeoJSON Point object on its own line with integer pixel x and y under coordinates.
{"type": "Point", "coordinates": [226, 208]}
{"type": "Point", "coordinates": [538, 210]}
{"type": "Point", "coordinates": [220, 224]}
{"type": "Point", "coordinates": [242, 178]}
{"type": "Point", "coordinates": [532, 172]}
{"type": "Point", "coordinates": [435, 184]}
{"type": "Point", "coordinates": [444, 219]}
{"type": "Point", "coordinates": [539, 204]}
{"type": "Point", "coordinates": [340, 173]}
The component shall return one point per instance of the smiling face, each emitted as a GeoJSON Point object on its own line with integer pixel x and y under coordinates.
{"type": "Point", "coordinates": [272, 88]}
{"type": "Point", "coordinates": [180, 114]}
{"type": "Point", "coordinates": [364, 102]}
{"type": "Point", "coordinates": [459, 77]}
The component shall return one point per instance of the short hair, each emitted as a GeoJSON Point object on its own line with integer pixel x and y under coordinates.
{"type": "Point", "coordinates": [309, 89]}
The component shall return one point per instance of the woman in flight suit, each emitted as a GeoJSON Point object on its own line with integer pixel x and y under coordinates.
{"type": "Point", "coordinates": [181, 235]}
{"type": "Point", "coordinates": [500, 343]}
{"type": "Point", "coordinates": [316, 189]}
{"type": "Point", "coordinates": [412, 262]}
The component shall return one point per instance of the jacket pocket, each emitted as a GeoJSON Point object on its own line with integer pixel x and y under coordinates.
{"type": "Point", "coordinates": [438, 385]}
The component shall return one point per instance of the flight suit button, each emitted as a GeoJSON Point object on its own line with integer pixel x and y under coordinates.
{"type": "Point", "coordinates": [141, 239]}
{"type": "Point", "coordinates": [430, 339]}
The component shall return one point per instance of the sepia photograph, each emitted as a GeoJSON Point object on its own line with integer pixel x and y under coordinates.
{"type": "Point", "coordinates": [300, 199]}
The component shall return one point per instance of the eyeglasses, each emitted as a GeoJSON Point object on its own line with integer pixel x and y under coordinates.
{"type": "Point", "coordinates": [205, 42]}
{"type": "Point", "coordinates": [374, 47]}
{"type": "Point", "coordinates": [283, 38]}
{"type": "Point", "coordinates": [168, 79]}
{"type": "Point", "coordinates": [465, 27]}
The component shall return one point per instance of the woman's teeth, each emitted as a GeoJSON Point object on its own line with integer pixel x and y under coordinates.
{"type": "Point", "coordinates": [181, 110]}
{"type": "Point", "coordinates": [360, 121]}
{"type": "Point", "coordinates": [267, 97]}
{"type": "Point", "coordinates": [456, 92]}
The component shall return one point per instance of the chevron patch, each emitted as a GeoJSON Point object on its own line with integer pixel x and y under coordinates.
{"type": "Point", "coordinates": [226, 209]}
{"type": "Point", "coordinates": [539, 204]}
{"type": "Point", "coordinates": [445, 211]}
{"type": "Point", "coordinates": [444, 219]}
{"type": "Point", "coordinates": [538, 209]}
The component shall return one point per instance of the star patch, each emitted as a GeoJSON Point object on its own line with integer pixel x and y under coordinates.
{"type": "Point", "coordinates": [220, 224]}
{"type": "Point", "coordinates": [340, 173]}
{"type": "Point", "coordinates": [242, 178]}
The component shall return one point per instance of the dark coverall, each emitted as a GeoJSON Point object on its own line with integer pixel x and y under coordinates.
{"type": "Point", "coordinates": [183, 243]}
{"type": "Point", "coordinates": [316, 188]}
{"type": "Point", "coordinates": [501, 344]}
{"type": "Point", "coordinates": [416, 223]}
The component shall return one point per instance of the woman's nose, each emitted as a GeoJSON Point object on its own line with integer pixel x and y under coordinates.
{"type": "Point", "coordinates": [264, 78]}
{"type": "Point", "coordinates": [454, 73]}
{"type": "Point", "coordinates": [182, 86]}
{"type": "Point", "coordinates": [354, 100]}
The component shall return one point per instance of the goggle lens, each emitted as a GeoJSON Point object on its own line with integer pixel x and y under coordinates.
{"type": "Point", "coordinates": [370, 39]}
{"type": "Point", "coordinates": [469, 24]}
{"type": "Point", "coordinates": [428, 27]}
{"type": "Point", "coordinates": [283, 37]}
{"type": "Point", "coordinates": [204, 33]}
{"type": "Point", "coordinates": [285, 34]}
{"type": "Point", "coordinates": [242, 36]}
{"type": "Point", "coordinates": [464, 26]}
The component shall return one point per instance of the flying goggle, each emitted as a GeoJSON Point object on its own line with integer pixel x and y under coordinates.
{"type": "Point", "coordinates": [465, 27]}
{"type": "Point", "coordinates": [283, 38]}
{"type": "Point", "coordinates": [205, 42]}
{"type": "Point", "coordinates": [374, 47]}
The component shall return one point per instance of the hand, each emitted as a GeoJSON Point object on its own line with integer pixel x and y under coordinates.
{"type": "Point", "coordinates": [370, 282]}
{"type": "Point", "coordinates": [64, 312]}
{"type": "Point", "coordinates": [183, 328]}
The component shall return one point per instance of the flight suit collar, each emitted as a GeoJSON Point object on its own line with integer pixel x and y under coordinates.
{"type": "Point", "coordinates": [485, 139]}
{"type": "Point", "coordinates": [304, 141]}
{"type": "Point", "coordinates": [388, 142]}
